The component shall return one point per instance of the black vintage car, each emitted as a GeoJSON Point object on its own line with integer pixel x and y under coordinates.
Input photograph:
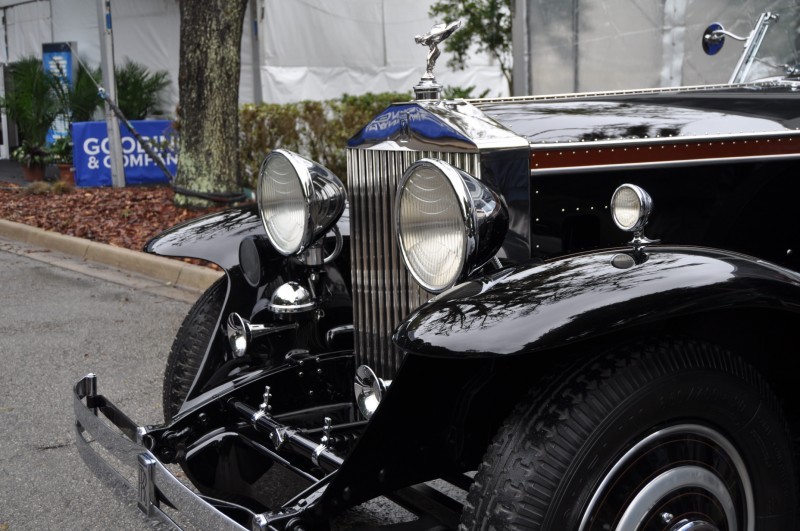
{"type": "Point", "coordinates": [582, 309]}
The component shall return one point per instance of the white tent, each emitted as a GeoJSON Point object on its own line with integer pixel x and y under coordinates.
{"type": "Point", "coordinates": [308, 49]}
{"type": "Point", "coordinates": [596, 45]}
{"type": "Point", "coordinates": [316, 49]}
{"type": "Point", "coordinates": [303, 49]}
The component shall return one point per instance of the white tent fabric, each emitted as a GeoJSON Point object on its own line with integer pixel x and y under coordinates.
{"type": "Point", "coordinates": [27, 26]}
{"type": "Point", "coordinates": [596, 45]}
{"type": "Point", "coordinates": [319, 49]}
{"type": "Point", "coordinates": [308, 49]}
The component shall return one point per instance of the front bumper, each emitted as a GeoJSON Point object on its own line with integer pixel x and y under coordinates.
{"type": "Point", "coordinates": [313, 482]}
{"type": "Point", "coordinates": [156, 491]}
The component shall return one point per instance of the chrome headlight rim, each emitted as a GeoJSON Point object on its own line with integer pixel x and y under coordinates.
{"type": "Point", "coordinates": [466, 213]}
{"type": "Point", "coordinates": [323, 202]}
{"type": "Point", "coordinates": [645, 207]}
{"type": "Point", "coordinates": [306, 188]}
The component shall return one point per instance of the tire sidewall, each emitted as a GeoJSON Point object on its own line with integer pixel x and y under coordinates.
{"type": "Point", "coordinates": [190, 346]}
{"type": "Point", "coordinates": [706, 397]}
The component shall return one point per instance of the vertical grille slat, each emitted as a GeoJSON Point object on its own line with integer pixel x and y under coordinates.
{"type": "Point", "coordinates": [384, 292]}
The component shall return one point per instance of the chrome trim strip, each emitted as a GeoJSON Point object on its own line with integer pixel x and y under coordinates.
{"type": "Point", "coordinates": [153, 476]}
{"type": "Point", "coordinates": [626, 142]}
{"type": "Point", "coordinates": [628, 92]}
{"type": "Point", "coordinates": [537, 172]}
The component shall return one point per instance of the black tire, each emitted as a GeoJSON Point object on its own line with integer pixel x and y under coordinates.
{"type": "Point", "coordinates": [190, 345]}
{"type": "Point", "coordinates": [598, 449]}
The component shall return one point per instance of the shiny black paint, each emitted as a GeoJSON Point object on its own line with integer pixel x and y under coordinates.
{"type": "Point", "coordinates": [475, 350]}
{"type": "Point", "coordinates": [214, 237]}
{"type": "Point", "coordinates": [333, 292]}
{"type": "Point", "coordinates": [524, 310]}
{"type": "Point", "coordinates": [508, 172]}
{"type": "Point", "coordinates": [747, 207]}
{"type": "Point", "coordinates": [436, 421]}
{"type": "Point", "coordinates": [587, 118]}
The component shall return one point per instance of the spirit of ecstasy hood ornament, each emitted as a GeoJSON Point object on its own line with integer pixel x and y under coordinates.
{"type": "Point", "coordinates": [428, 88]}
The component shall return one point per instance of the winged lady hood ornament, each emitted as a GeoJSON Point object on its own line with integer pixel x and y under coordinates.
{"type": "Point", "coordinates": [428, 88]}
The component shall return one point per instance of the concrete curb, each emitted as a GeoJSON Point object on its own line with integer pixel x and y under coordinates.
{"type": "Point", "coordinates": [171, 272]}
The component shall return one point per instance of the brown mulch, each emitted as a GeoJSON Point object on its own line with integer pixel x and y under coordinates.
{"type": "Point", "coordinates": [123, 217]}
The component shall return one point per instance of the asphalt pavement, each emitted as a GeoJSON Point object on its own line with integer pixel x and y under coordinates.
{"type": "Point", "coordinates": [56, 325]}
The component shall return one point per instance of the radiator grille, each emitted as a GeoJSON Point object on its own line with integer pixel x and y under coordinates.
{"type": "Point", "coordinates": [383, 291]}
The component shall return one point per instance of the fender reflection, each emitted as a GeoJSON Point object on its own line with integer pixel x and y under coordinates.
{"type": "Point", "coordinates": [214, 237]}
{"type": "Point", "coordinates": [530, 308]}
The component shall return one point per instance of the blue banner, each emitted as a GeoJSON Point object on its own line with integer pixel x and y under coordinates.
{"type": "Point", "coordinates": [92, 161]}
{"type": "Point", "coordinates": [58, 59]}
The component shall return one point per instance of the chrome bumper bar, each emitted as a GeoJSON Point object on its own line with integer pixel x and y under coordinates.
{"type": "Point", "coordinates": [155, 485]}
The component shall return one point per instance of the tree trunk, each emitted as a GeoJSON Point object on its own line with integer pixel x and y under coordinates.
{"type": "Point", "coordinates": [208, 83]}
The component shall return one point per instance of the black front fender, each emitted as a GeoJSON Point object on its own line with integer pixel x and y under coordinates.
{"type": "Point", "coordinates": [214, 237]}
{"type": "Point", "coordinates": [532, 308]}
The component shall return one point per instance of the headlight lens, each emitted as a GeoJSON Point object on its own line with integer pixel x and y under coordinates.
{"type": "Point", "coordinates": [630, 207]}
{"type": "Point", "coordinates": [282, 203]}
{"type": "Point", "coordinates": [432, 225]}
{"type": "Point", "coordinates": [298, 200]}
{"type": "Point", "coordinates": [448, 223]}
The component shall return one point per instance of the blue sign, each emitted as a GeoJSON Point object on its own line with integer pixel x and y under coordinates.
{"type": "Point", "coordinates": [93, 163]}
{"type": "Point", "coordinates": [58, 60]}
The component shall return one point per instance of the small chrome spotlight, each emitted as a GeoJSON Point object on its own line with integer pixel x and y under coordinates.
{"type": "Point", "coordinates": [630, 208]}
{"type": "Point", "coordinates": [369, 390]}
{"type": "Point", "coordinates": [291, 297]}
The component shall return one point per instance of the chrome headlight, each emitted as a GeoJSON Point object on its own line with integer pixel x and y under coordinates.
{"type": "Point", "coordinates": [298, 199]}
{"type": "Point", "coordinates": [448, 223]}
{"type": "Point", "coordinates": [631, 207]}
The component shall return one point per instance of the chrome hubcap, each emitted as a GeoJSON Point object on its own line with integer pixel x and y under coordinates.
{"type": "Point", "coordinates": [686, 477]}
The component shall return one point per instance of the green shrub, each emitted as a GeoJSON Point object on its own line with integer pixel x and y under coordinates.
{"type": "Point", "coordinates": [83, 97]}
{"type": "Point", "coordinates": [32, 101]}
{"type": "Point", "coordinates": [262, 128]}
{"type": "Point", "coordinates": [318, 130]}
{"type": "Point", "coordinates": [139, 91]}
{"type": "Point", "coordinates": [31, 155]}
{"type": "Point", "coordinates": [61, 150]}
{"type": "Point", "coordinates": [38, 188]}
{"type": "Point", "coordinates": [61, 188]}
{"type": "Point", "coordinates": [456, 93]}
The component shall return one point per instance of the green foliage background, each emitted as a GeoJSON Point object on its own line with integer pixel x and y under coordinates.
{"type": "Point", "coordinates": [318, 130]}
{"type": "Point", "coordinates": [32, 100]}
{"type": "Point", "coordinates": [140, 91]}
{"type": "Point", "coordinates": [486, 27]}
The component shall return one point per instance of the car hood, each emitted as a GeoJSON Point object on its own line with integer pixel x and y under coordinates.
{"type": "Point", "coordinates": [691, 112]}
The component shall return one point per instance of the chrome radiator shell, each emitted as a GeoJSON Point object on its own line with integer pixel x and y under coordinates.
{"type": "Point", "coordinates": [384, 293]}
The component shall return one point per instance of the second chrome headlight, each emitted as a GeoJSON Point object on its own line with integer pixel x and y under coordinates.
{"type": "Point", "coordinates": [298, 200]}
{"type": "Point", "coordinates": [448, 223]}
